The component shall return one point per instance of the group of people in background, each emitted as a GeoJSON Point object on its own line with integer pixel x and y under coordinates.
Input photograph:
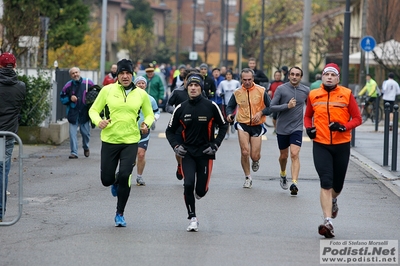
{"type": "Point", "coordinates": [203, 104]}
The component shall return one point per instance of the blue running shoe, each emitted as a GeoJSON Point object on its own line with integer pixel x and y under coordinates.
{"type": "Point", "coordinates": [114, 189]}
{"type": "Point", "coordinates": [119, 220]}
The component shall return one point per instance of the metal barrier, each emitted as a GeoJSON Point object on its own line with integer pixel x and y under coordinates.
{"type": "Point", "coordinates": [377, 100]}
{"type": "Point", "coordinates": [386, 135]}
{"type": "Point", "coordinates": [386, 129]}
{"type": "Point", "coordinates": [3, 135]}
{"type": "Point", "coordinates": [395, 136]}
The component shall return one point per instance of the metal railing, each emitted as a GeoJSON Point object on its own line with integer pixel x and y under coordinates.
{"type": "Point", "coordinates": [3, 135]}
{"type": "Point", "coordinates": [395, 129]}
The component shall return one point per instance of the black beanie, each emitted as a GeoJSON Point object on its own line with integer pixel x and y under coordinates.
{"type": "Point", "coordinates": [195, 78]}
{"type": "Point", "coordinates": [124, 65]}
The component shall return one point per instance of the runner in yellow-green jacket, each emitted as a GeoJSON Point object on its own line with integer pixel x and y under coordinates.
{"type": "Point", "coordinates": [120, 132]}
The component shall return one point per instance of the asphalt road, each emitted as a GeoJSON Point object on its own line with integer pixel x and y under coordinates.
{"type": "Point", "coordinates": [68, 215]}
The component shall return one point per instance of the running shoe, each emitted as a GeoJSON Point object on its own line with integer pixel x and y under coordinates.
{"type": "Point", "coordinates": [283, 182]}
{"type": "Point", "coordinates": [119, 220]}
{"type": "Point", "coordinates": [233, 129]}
{"type": "Point", "coordinates": [140, 181]}
{"type": "Point", "coordinates": [179, 174]}
{"type": "Point", "coordinates": [247, 183]}
{"type": "Point", "coordinates": [114, 190]}
{"type": "Point", "coordinates": [255, 165]}
{"type": "Point", "coordinates": [153, 126]}
{"type": "Point", "coordinates": [293, 190]}
{"type": "Point", "coordinates": [326, 229]}
{"type": "Point", "coordinates": [335, 209]}
{"type": "Point", "coordinates": [226, 136]}
{"type": "Point", "coordinates": [193, 225]}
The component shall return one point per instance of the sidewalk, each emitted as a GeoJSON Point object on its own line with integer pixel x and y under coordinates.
{"type": "Point", "coordinates": [368, 152]}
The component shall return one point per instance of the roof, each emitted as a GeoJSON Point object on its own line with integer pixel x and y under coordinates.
{"type": "Point", "coordinates": [160, 7]}
{"type": "Point", "coordinates": [296, 30]}
{"type": "Point", "coordinates": [388, 52]}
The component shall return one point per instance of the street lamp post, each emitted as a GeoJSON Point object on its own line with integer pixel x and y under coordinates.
{"type": "Point", "coordinates": [227, 32]}
{"type": "Point", "coordinates": [194, 29]}
{"type": "Point", "coordinates": [262, 37]}
{"type": "Point", "coordinates": [239, 56]}
{"type": "Point", "coordinates": [103, 40]}
{"type": "Point", "coordinates": [178, 33]}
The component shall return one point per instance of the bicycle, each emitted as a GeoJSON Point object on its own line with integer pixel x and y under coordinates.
{"type": "Point", "coordinates": [368, 112]}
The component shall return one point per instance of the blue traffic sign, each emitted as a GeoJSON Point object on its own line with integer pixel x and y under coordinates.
{"type": "Point", "coordinates": [368, 43]}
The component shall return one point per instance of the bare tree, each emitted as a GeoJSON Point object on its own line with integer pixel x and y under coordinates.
{"type": "Point", "coordinates": [210, 30]}
{"type": "Point", "coordinates": [383, 25]}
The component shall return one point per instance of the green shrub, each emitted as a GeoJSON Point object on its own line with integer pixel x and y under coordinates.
{"type": "Point", "coordinates": [36, 107]}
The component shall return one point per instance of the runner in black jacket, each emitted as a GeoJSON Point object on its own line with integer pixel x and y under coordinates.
{"type": "Point", "coordinates": [197, 146]}
{"type": "Point", "coordinates": [259, 76]}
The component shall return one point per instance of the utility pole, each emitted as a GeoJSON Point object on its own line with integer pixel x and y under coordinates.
{"type": "Point", "coordinates": [361, 79]}
{"type": "Point", "coordinates": [222, 33]}
{"type": "Point", "coordinates": [178, 32]}
{"type": "Point", "coordinates": [227, 32]}
{"type": "Point", "coordinates": [194, 30]}
{"type": "Point", "coordinates": [240, 47]}
{"type": "Point", "coordinates": [103, 40]}
{"type": "Point", "coordinates": [306, 41]}
{"type": "Point", "coordinates": [346, 46]}
{"type": "Point", "coordinates": [45, 24]}
{"type": "Point", "coordinates": [261, 65]}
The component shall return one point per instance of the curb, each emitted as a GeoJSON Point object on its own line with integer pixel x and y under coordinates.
{"type": "Point", "coordinates": [384, 176]}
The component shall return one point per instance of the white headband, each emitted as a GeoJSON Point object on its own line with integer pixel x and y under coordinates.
{"type": "Point", "coordinates": [332, 69]}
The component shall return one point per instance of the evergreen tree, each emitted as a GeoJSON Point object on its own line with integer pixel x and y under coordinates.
{"type": "Point", "coordinates": [140, 15]}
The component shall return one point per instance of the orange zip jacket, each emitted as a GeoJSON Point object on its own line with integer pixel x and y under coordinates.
{"type": "Point", "coordinates": [338, 105]}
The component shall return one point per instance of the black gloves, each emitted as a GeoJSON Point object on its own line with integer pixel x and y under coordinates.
{"type": "Point", "coordinates": [211, 150]}
{"type": "Point", "coordinates": [311, 132]}
{"type": "Point", "coordinates": [335, 126]}
{"type": "Point", "coordinates": [180, 151]}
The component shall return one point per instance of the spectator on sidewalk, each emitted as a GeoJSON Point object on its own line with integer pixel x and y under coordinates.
{"type": "Point", "coordinates": [12, 97]}
{"type": "Point", "coordinates": [331, 113]}
{"type": "Point", "coordinates": [73, 95]}
{"type": "Point", "coordinates": [390, 90]}
{"type": "Point", "coordinates": [112, 76]}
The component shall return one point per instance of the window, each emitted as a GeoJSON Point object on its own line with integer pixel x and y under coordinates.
{"type": "Point", "coordinates": [200, 5]}
{"type": "Point", "coordinates": [199, 35]}
{"type": "Point", "coordinates": [231, 37]}
{"type": "Point", "coordinates": [231, 6]}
